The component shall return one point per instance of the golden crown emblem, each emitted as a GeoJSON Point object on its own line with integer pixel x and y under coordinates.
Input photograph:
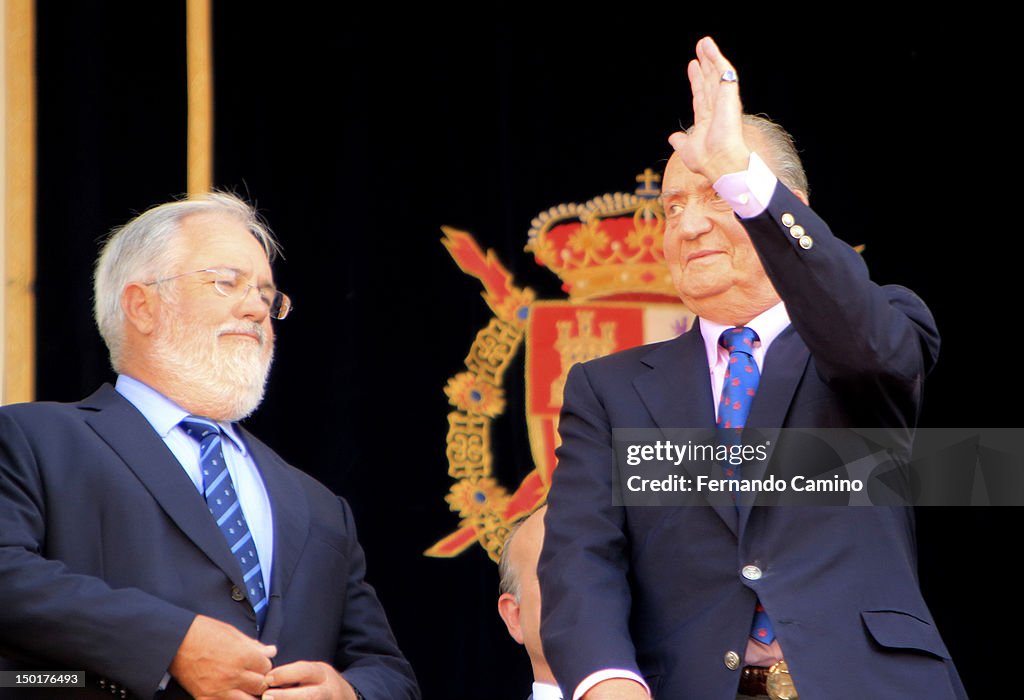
{"type": "Point", "coordinates": [608, 248]}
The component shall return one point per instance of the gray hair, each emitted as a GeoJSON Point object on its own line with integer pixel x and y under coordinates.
{"type": "Point", "coordinates": [780, 152]}
{"type": "Point", "coordinates": [143, 249]}
{"type": "Point", "coordinates": [781, 156]}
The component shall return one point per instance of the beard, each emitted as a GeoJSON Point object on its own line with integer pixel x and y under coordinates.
{"type": "Point", "coordinates": [215, 377]}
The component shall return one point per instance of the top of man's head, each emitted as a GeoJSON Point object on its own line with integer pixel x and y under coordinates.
{"type": "Point", "coordinates": [521, 549]}
{"type": "Point", "coordinates": [143, 249]}
{"type": "Point", "coordinates": [778, 149]}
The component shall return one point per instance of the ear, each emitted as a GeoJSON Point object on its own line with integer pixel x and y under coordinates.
{"type": "Point", "coordinates": [802, 196]}
{"type": "Point", "coordinates": [508, 608]}
{"type": "Point", "coordinates": [139, 303]}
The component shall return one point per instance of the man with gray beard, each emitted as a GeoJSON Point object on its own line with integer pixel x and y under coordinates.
{"type": "Point", "coordinates": [151, 542]}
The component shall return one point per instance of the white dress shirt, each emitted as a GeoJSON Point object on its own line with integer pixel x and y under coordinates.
{"type": "Point", "coordinates": [546, 691]}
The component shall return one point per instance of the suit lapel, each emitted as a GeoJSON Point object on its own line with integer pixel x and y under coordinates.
{"type": "Point", "coordinates": [677, 389]}
{"type": "Point", "coordinates": [291, 527]}
{"type": "Point", "coordinates": [677, 394]}
{"type": "Point", "coordinates": [784, 367]}
{"type": "Point", "coordinates": [131, 436]}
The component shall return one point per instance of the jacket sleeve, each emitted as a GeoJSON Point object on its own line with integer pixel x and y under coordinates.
{"type": "Point", "coordinates": [368, 656]}
{"type": "Point", "coordinates": [583, 566]}
{"type": "Point", "coordinates": [853, 327]}
{"type": "Point", "coordinates": [49, 613]}
{"type": "Point", "coordinates": [874, 343]}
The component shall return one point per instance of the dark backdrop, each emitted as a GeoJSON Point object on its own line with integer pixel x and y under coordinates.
{"type": "Point", "coordinates": [359, 134]}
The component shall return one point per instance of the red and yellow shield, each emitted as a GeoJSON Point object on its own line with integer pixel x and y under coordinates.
{"type": "Point", "coordinates": [561, 333]}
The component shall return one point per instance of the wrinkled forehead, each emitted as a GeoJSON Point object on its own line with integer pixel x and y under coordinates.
{"type": "Point", "coordinates": [679, 179]}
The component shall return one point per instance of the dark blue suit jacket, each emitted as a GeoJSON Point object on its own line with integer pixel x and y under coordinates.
{"type": "Point", "coordinates": [659, 590]}
{"type": "Point", "coordinates": [107, 552]}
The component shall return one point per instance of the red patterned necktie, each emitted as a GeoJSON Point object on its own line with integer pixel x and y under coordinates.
{"type": "Point", "coordinates": [738, 390]}
{"type": "Point", "coordinates": [739, 385]}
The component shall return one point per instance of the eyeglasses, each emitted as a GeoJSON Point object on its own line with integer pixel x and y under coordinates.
{"type": "Point", "coordinates": [235, 284]}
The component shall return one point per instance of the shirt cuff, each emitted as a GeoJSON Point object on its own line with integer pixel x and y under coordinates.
{"type": "Point", "coordinates": [604, 675]}
{"type": "Point", "coordinates": [748, 191]}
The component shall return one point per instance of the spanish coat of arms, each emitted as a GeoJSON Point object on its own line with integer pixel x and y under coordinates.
{"type": "Point", "coordinates": [608, 254]}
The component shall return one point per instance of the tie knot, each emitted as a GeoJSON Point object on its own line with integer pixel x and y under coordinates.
{"type": "Point", "coordinates": [199, 428]}
{"type": "Point", "coordinates": [738, 340]}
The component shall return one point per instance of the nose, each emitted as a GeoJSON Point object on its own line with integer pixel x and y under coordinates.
{"type": "Point", "coordinates": [251, 305]}
{"type": "Point", "coordinates": [694, 221]}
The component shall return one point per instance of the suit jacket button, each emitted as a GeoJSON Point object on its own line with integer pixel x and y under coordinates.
{"type": "Point", "coordinates": [797, 231]}
{"type": "Point", "coordinates": [751, 572]}
{"type": "Point", "coordinates": [731, 660]}
{"type": "Point", "coordinates": [787, 219]}
{"type": "Point", "coordinates": [806, 242]}
{"type": "Point", "coordinates": [237, 594]}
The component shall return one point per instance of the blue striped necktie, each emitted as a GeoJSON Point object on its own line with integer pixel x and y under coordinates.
{"type": "Point", "coordinates": [738, 391]}
{"type": "Point", "coordinates": [221, 499]}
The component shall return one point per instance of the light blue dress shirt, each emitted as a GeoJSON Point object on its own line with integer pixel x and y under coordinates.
{"type": "Point", "coordinates": [165, 415]}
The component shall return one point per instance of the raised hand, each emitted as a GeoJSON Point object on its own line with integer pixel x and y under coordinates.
{"type": "Point", "coordinates": [715, 145]}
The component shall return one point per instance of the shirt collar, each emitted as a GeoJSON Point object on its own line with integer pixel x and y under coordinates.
{"type": "Point", "coordinates": [162, 413]}
{"type": "Point", "coordinates": [768, 325]}
{"type": "Point", "coordinates": [546, 691]}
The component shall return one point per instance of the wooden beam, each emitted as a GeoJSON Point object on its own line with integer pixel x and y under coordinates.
{"type": "Point", "coordinates": [19, 177]}
{"type": "Point", "coordinates": [199, 42]}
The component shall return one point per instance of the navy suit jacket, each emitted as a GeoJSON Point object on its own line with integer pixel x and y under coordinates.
{"type": "Point", "coordinates": [107, 552]}
{"type": "Point", "coordinates": [659, 590]}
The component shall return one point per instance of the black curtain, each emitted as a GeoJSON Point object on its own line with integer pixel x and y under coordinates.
{"type": "Point", "coordinates": [360, 132]}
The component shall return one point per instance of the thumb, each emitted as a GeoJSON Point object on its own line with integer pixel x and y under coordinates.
{"type": "Point", "coordinates": [678, 140]}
